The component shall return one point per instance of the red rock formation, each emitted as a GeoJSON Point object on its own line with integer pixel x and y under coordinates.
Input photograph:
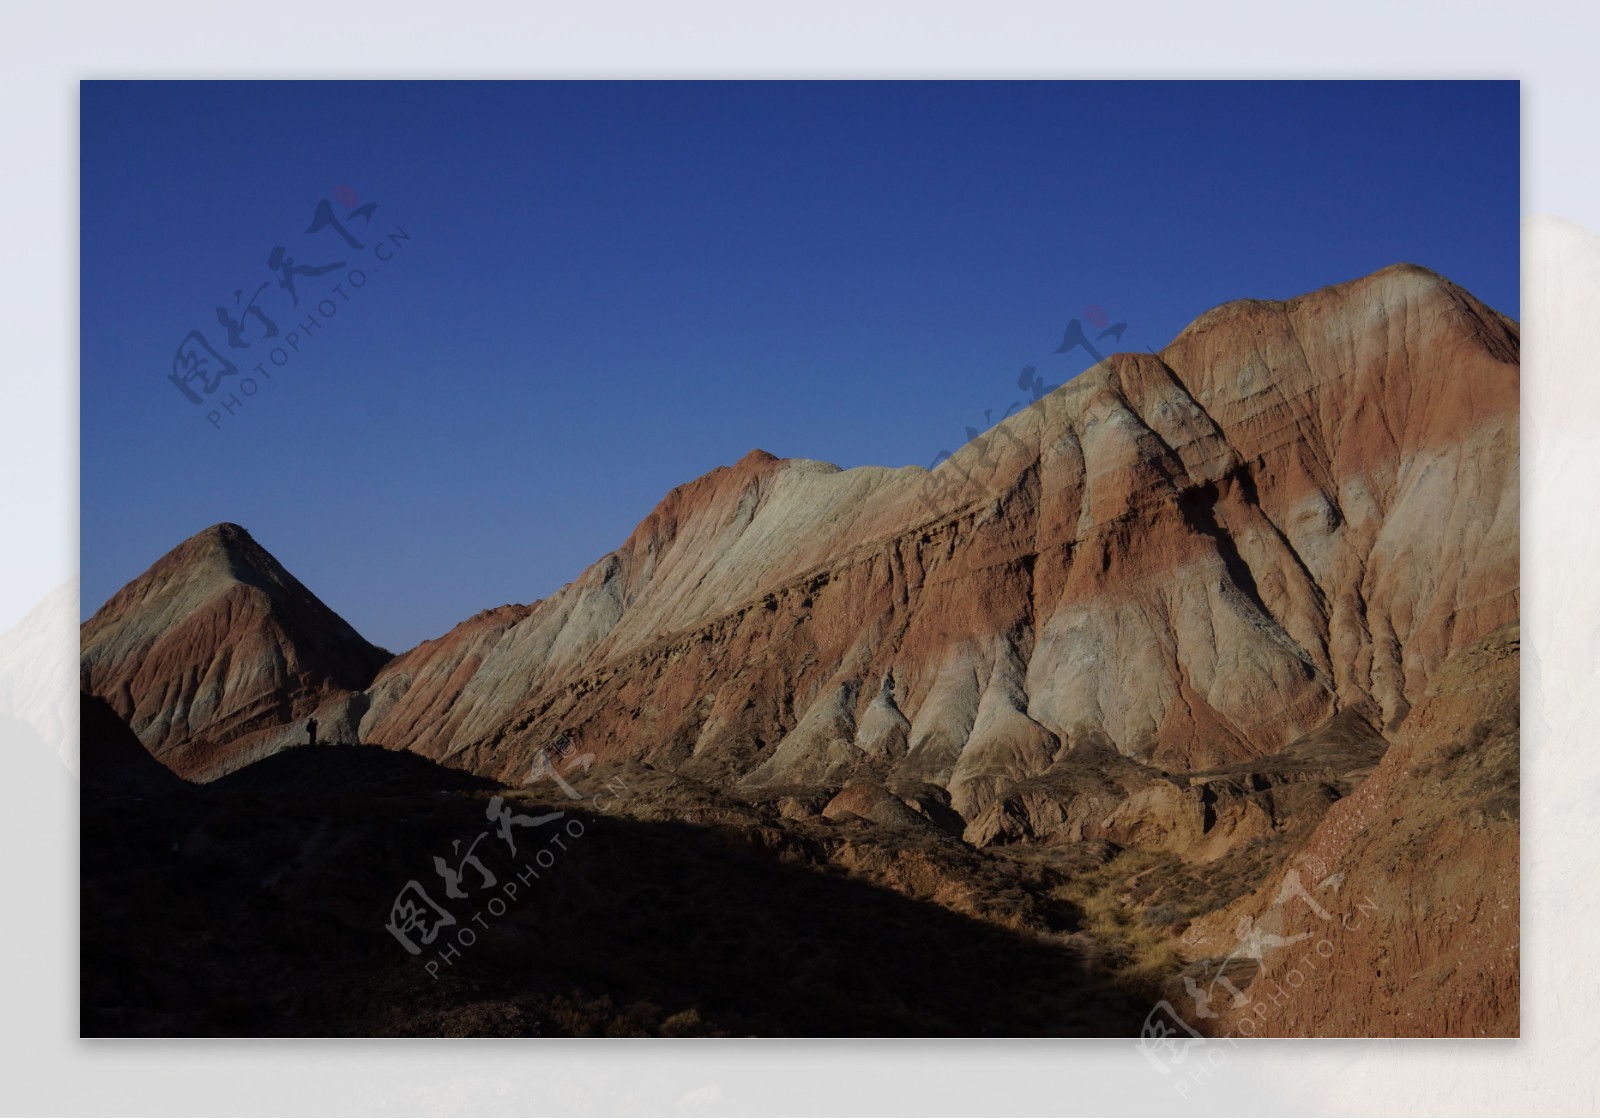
{"type": "Point", "coordinates": [1156, 630]}
{"type": "Point", "coordinates": [217, 656]}
{"type": "Point", "coordinates": [1296, 510]}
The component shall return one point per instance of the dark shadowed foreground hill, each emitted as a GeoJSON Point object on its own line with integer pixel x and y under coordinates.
{"type": "Point", "coordinates": [259, 907]}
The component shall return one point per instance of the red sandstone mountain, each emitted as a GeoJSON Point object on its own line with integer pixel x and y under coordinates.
{"type": "Point", "coordinates": [217, 655]}
{"type": "Point", "coordinates": [1103, 677]}
{"type": "Point", "coordinates": [1187, 560]}
{"type": "Point", "coordinates": [1297, 509]}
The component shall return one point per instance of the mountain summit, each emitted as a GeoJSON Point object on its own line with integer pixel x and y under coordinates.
{"type": "Point", "coordinates": [216, 654]}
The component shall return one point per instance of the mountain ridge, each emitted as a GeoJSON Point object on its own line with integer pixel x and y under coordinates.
{"type": "Point", "coordinates": [1263, 440]}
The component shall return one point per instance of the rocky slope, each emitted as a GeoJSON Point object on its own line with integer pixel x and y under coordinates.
{"type": "Point", "coordinates": [1189, 559]}
{"type": "Point", "coordinates": [1409, 921]}
{"type": "Point", "coordinates": [217, 655]}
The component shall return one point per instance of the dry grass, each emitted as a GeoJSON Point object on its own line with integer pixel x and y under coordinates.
{"type": "Point", "coordinates": [1129, 906]}
{"type": "Point", "coordinates": [1137, 952]}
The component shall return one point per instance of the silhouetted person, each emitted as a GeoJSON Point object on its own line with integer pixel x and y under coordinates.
{"type": "Point", "coordinates": [311, 731]}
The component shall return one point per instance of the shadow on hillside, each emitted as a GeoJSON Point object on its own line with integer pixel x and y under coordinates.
{"type": "Point", "coordinates": [330, 767]}
{"type": "Point", "coordinates": [258, 906]}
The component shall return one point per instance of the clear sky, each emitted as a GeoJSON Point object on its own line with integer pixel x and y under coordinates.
{"type": "Point", "coordinates": [575, 296]}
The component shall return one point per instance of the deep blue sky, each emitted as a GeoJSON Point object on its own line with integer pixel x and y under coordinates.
{"type": "Point", "coordinates": [610, 289]}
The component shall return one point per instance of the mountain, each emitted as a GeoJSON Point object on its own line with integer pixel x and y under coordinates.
{"type": "Point", "coordinates": [1294, 512]}
{"type": "Point", "coordinates": [217, 655]}
{"type": "Point", "coordinates": [1184, 561]}
{"type": "Point", "coordinates": [1102, 679]}
{"type": "Point", "coordinates": [1191, 559]}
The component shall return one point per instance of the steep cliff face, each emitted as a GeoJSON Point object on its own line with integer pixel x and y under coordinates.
{"type": "Point", "coordinates": [216, 654]}
{"type": "Point", "coordinates": [1173, 563]}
